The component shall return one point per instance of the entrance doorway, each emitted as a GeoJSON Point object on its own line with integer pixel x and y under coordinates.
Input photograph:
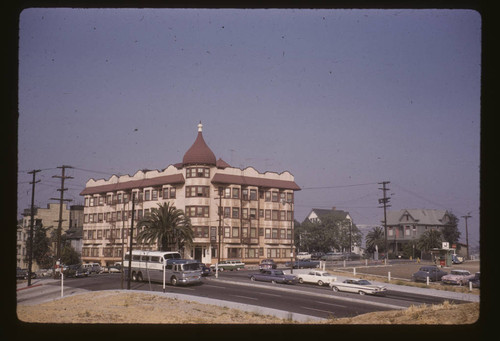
{"type": "Point", "coordinates": [198, 252]}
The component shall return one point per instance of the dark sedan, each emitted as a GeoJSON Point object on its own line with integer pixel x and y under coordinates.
{"type": "Point", "coordinates": [433, 272]}
{"type": "Point", "coordinates": [303, 264]}
{"type": "Point", "coordinates": [273, 276]}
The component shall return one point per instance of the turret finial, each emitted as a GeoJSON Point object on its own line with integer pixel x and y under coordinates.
{"type": "Point", "coordinates": [200, 127]}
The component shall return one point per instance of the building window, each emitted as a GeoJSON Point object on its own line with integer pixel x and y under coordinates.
{"type": "Point", "coordinates": [172, 192]}
{"type": "Point", "coordinates": [282, 233]}
{"type": "Point", "coordinates": [227, 212]}
{"type": "Point", "coordinates": [268, 234]}
{"type": "Point", "coordinates": [244, 194]}
{"type": "Point", "coordinates": [253, 213]}
{"type": "Point", "coordinates": [253, 232]}
{"type": "Point", "coordinates": [244, 213]}
{"type": "Point", "coordinates": [282, 215]}
{"type": "Point", "coordinates": [268, 196]}
{"type": "Point", "coordinates": [147, 195]}
{"type": "Point", "coordinates": [253, 194]}
{"type": "Point", "coordinates": [275, 215]}
{"type": "Point", "coordinates": [275, 234]}
{"type": "Point", "coordinates": [236, 193]}
{"type": "Point", "coordinates": [261, 213]}
{"type": "Point", "coordinates": [198, 172]}
{"type": "Point", "coordinates": [227, 232]}
{"type": "Point", "coordinates": [236, 212]}
{"type": "Point", "coordinates": [289, 197]}
{"type": "Point", "coordinates": [200, 231]}
{"type": "Point", "coordinates": [197, 191]}
{"type": "Point", "coordinates": [268, 215]}
{"type": "Point", "coordinates": [236, 232]}
{"type": "Point", "coordinates": [100, 217]}
{"type": "Point", "coordinates": [275, 196]}
{"type": "Point", "coordinates": [197, 211]}
{"type": "Point", "coordinates": [154, 194]}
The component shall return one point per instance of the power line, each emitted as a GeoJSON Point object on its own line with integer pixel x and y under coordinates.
{"type": "Point", "coordinates": [340, 186]}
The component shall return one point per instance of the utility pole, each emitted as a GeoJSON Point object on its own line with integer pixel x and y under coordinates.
{"type": "Point", "coordinates": [385, 201]}
{"type": "Point", "coordinates": [130, 245]}
{"type": "Point", "coordinates": [467, 232]}
{"type": "Point", "coordinates": [32, 224]}
{"type": "Point", "coordinates": [61, 202]}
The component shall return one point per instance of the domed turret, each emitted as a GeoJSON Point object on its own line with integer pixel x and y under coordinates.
{"type": "Point", "coordinates": [199, 153]}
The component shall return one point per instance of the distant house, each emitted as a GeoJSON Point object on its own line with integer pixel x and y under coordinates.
{"type": "Point", "coordinates": [406, 225]}
{"type": "Point", "coordinates": [316, 214]}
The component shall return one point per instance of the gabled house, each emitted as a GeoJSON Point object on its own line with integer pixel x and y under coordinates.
{"type": "Point", "coordinates": [317, 213]}
{"type": "Point", "coordinates": [406, 225]}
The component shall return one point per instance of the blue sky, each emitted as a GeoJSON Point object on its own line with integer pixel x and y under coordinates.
{"type": "Point", "coordinates": [343, 99]}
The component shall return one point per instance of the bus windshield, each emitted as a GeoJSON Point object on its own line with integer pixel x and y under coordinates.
{"type": "Point", "coordinates": [190, 266]}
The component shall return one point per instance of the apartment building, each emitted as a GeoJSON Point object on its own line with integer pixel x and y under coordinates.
{"type": "Point", "coordinates": [48, 217]}
{"type": "Point", "coordinates": [256, 209]}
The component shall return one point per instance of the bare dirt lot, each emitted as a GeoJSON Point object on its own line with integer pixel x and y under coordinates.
{"type": "Point", "coordinates": [117, 307]}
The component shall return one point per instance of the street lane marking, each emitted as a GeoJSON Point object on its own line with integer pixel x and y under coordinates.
{"type": "Point", "coordinates": [323, 311]}
{"type": "Point", "coordinates": [250, 298]}
{"type": "Point", "coordinates": [214, 286]}
{"type": "Point", "coordinates": [335, 305]}
{"type": "Point", "coordinates": [275, 295]}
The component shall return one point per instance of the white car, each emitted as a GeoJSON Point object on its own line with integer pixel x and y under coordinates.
{"type": "Point", "coordinates": [303, 255]}
{"type": "Point", "coordinates": [360, 286]}
{"type": "Point", "coordinates": [319, 277]}
{"type": "Point", "coordinates": [458, 277]}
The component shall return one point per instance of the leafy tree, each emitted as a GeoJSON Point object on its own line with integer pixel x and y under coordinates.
{"type": "Point", "coordinates": [450, 231]}
{"type": "Point", "coordinates": [69, 255]}
{"type": "Point", "coordinates": [41, 246]}
{"type": "Point", "coordinates": [167, 226]}
{"type": "Point", "coordinates": [375, 237]}
{"type": "Point", "coordinates": [330, 232]}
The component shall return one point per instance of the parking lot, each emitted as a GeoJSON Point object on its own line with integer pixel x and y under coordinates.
{"type": "Point", "coordinates": [404, 270]}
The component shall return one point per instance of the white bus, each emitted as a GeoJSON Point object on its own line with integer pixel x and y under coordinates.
{"type": "Point", "coordinates": [148, 265]}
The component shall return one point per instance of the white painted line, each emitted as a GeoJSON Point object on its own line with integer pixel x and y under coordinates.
{"type": "Point", "coordinates": [214, 286]}
{"type": "Point", "coordinates": [323, 311]}
{"type": "Point", "coordinates": [263, 293]}
{"type": "Point", "coordinates": [249, 298]}
{"type": "Point", "coordinates": [335, 305]}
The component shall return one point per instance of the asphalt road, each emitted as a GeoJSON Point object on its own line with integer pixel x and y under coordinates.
{"type": "Point", "coordinates": [235, 286]}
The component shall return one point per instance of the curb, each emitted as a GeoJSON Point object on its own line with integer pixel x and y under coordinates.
{"type": "Point", "coordinates": [31, 286]}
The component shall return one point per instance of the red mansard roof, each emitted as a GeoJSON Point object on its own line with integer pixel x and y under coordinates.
{"type": "Point", "coordinates": [161, 180]}
{"type": "Point", "coordinates": [252, 181]}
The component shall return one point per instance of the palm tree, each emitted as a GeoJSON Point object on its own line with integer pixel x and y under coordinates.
{"type": "Point", "coordinates": [375, 237]}
{"type": "Point", "coordinates": [429, 240]}
{"type": "Point", "coordinates": [168, 226]}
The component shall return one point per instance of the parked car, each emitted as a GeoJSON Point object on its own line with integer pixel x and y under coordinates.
{"type": "Point", "coordinates": [317, 255]}
{"type": "Point", "coordinates": [274, 276]}
{"type": "Point", "coordinates": [230, 264]}
{"type": "Point", "coordinates": [317, 277]}
{"type": "Point", "coordinates": [433, 272]}
{"type": "Point", "coordinates": [267, 264]}
{"type": "Point", "coordinates": [360, 286]}
{"type": "Point", "coordinates": [475, 280]}
{"type": "Point", "coordinates": [114, 269]}
{"type": "Point", "coordinates": [351, 256]}
{"type": "Point", "coordinates": [93, 267]}
{"type": "Point", "coordinates": [455, 259]}
{"type": "Point", "coordinates": [23, 274]}
{"type": "Point", "coordinates": [76, 270]}
{"type": "Point", "coordinates": [303, 255]}
{"type": "Point", "coordinates": [205, 270]}
{"type": "Point", "coordinates": [458, 277]}
{"type": "Point", "coordinates": [303, 264]}
{"type": "Point", "coordinates": [333, 256]}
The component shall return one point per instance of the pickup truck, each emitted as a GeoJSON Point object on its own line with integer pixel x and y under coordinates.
{"type": "Point", "coordinates": [273, 276]}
